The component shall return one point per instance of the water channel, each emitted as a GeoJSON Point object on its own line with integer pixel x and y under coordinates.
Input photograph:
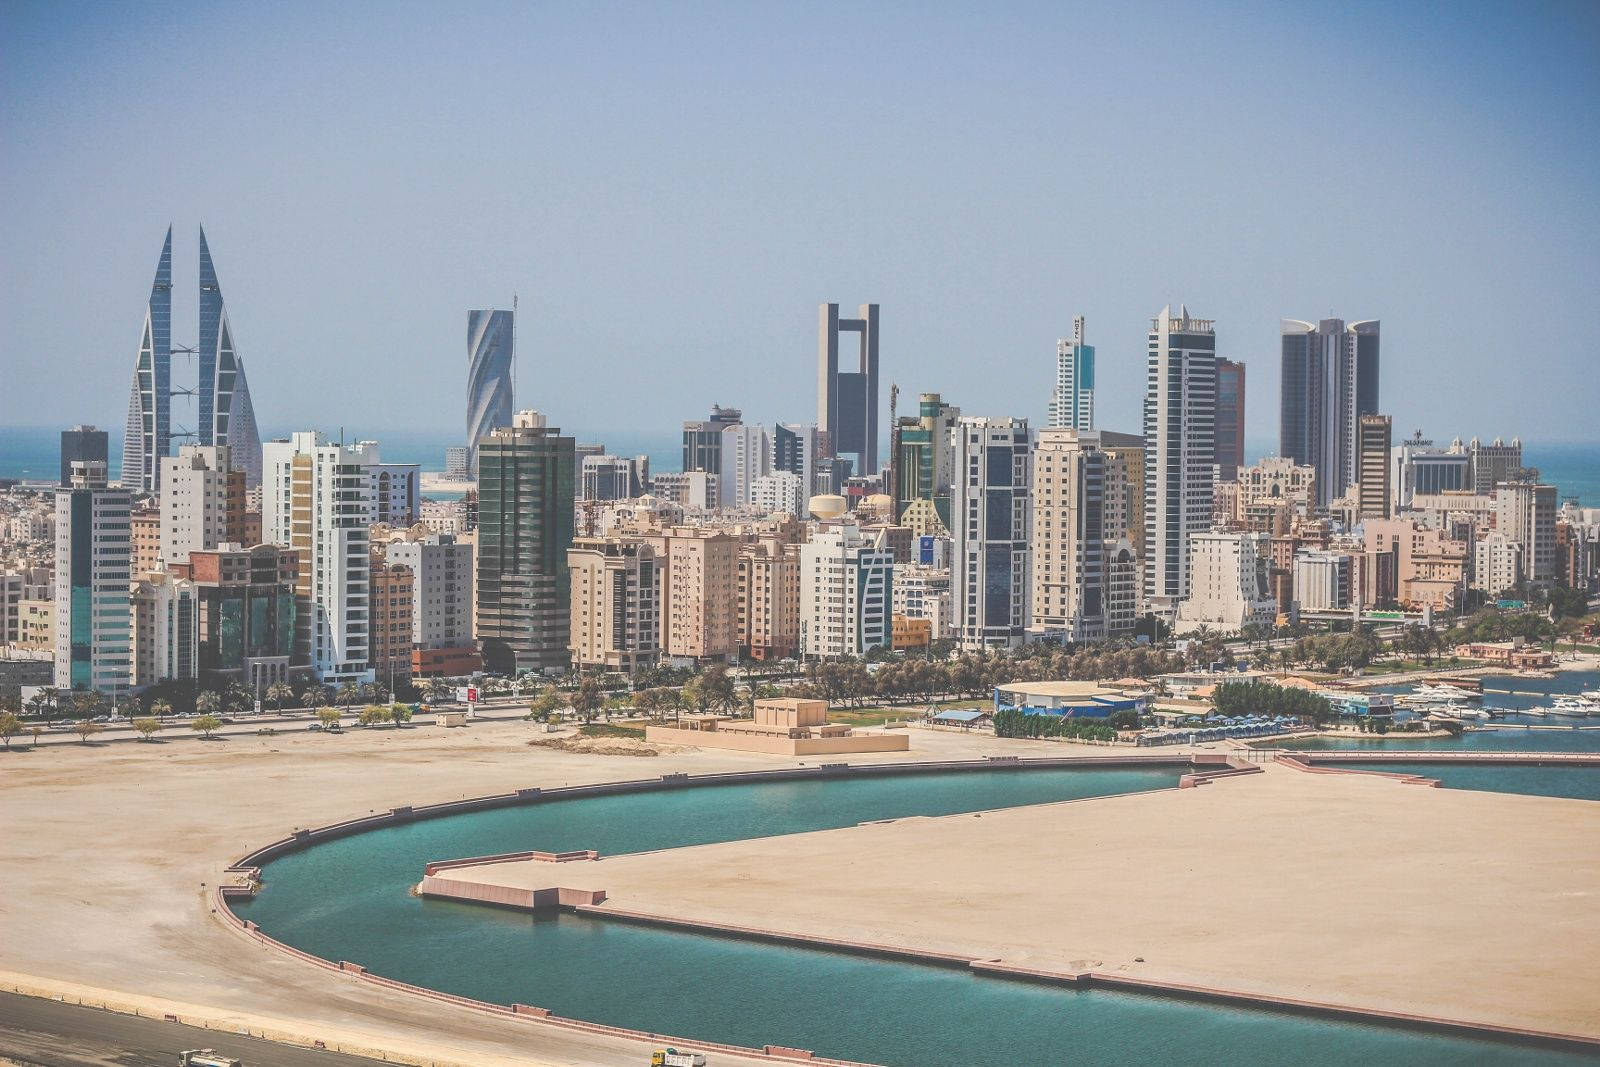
{"type": "Point", "coordinates": [349, 898]}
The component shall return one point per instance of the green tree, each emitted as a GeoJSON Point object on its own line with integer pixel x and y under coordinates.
{"type": "Point", "coordinates": [279, 694]}
{"type": "Point", "coordinates": [588, 698]}
{"type": "Point", "coordinates": [400, 713]}
{"type": "Point", "coordinates": [10, 726]}
{"type": "Point", "coordinates": [146, 727]}
{"type": "Point", "coordinates": [546, 704]}
{"type": "Point", "coordinates": [328, 716]}
{"type": "Point", "coordinates": [206, 725]}
{"type": "Point", "coordinates": [86, 729]}
{"type": "Point", "coordinates": [373, 715]}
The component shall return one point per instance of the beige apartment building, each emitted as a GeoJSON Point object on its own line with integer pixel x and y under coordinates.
{"type": "Point", "coordinates": [699, 572]}
{"type": "Point", "coordinates": [768, 592]}
{"type": "Point", "coordinates": [1429, 568]}
{"type": "Point", "coordinates": [145, 530]}
{"type": "Point", "coordinates": [616, 591]}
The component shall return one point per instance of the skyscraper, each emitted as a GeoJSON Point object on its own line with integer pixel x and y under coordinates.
{"type": "Point", "coordinates": [847, 401]}
{"type": "Point", "coordinates": [1372, 468]}
{"type": "Point", "coordinates": [1068, 595]}
{"type": "Point", "coordinates": [224, 414]}
{"type": "Point", "coordinates": [1330, 380]}
{"type": "Point", "coordinates": [925, 465]}
{"type": "Point", "coordinates": [1230, 418]}
{"type": "Point", "coordinates": [149, 431]}
{"type": "Point", "coordinates": [702, 439]}
{"type": "Point", "coordinates": [317, 499]}
{"type": "Point", "coordinates": [1180, 413]}
{"type": "Point", "coordinates": [990, 516]}
{"type": "Point", "coordinates": [525, 520]}
{"type": "Point", "coordinates": [1072, 399]}
{"type": "Point", "coordinates": [489, 355]}
{"type": "Point", "coordinates": [81, 444]}
{"type": "Point", "coordinates": [93, 610]}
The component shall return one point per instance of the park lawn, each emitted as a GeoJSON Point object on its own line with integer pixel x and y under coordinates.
{"type": "Point", "coordinates": [874, 716]}
{"type": "Point", "coordinates": [601, 729]}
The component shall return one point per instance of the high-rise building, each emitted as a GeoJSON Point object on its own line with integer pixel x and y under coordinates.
{"type": "Point", "coordinates": [1416, 468]}
{"type": "Point", "coordinates": [144, 525]}
{"type": "Point", "coordinates": [746, 456]}
{"type": "Point", "coordinates": [1526, 513]}
{"type": "Point", "coordinates": [395, 488]}
{"type": "Point", "coordinates": [702, 439]}
{"type": "Point", "coordinates": [224, 414]}
{"type": "Point", "coordinates": [616, 603]}
{"type": "Point", "coordinates": [1180, 411]}
{"type": "Point", "coordinates": [1230, 418]}
{"type": "Point", "coordinates": [441, 569]}
{"type": "Point", "coordinates": [1429, 567]}
{"type": "Point", "coordinates": [847, 401]}
{"type": "Point", "coordinates": [525, 519]}
{"type": "Point", "coordinates": [93, 612]}
{"type": "Point", "coordinates": [1228, 581]}
{"type": "Point", "coordinates": [606, 477]}
{"type": "Point", "coordinates": [1497, 563]}
{"type": "Point", "coordinates": [248, 608]}
{"type": "Point", "coordinates": [1068, 599]}
{"type": "Point", "coordinates": [699, 611]}
{"type": "Point", "coordinates": [195, 503]}
{"type": "Point", "coordinates": [1330, 380]}
{"type": "Point", "coordinates": [768, 594]}
{"type": "Point", "coordinates": [391, 609]}
{"type": "Point", "coordinates": [1072, 398]}
{"type": "Point", "coordinates": [778, 491]}
{"type": "Point", "coordinates": [991, 514]}
{"type": "Point", "coordinates": [166, 629]}
{"type": "Point", "coordinates": [846, 593]}
{"type": "Point", "coordinates": [1124, 519]}
{"type": "Point", "coordinates": [1372, 465]}
{"type": "Point", "coordinates": [796, 448]}
{"type": "Point", "coordinates": [1323, 580]}
{"type": "Point", "coordinates": [1494, 463]}
{"type": "Point", "coordinates": [317, 498]}
{"type": "Point", "coordinates": [925, 457]}
{"type": "Point", "coordinates": [490, 351]}
{"type": "Point", "coordinates": [81, 444]}
{"type": "Point", "coordinates": [148, 437]}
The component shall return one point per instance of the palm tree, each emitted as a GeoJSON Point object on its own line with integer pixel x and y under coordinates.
{"type": "Point", "coordinates": [160, 708]}
{"type": "Point", "coordinates": [349, 693]}
{"type": "Point", "coordinates": [208, 704]}
{"type": "Point", "coordinates": [279, 693]}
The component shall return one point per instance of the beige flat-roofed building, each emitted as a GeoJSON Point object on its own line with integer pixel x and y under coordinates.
{"type": "Point", "coordinates": [787, 726]}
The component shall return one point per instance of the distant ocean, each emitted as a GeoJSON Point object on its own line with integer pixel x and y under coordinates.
{"type": "Point", "coordinates": [31, 452]}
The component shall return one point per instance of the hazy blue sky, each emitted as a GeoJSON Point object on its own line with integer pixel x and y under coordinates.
{"type": "Point", "coordinates": [673, 188]}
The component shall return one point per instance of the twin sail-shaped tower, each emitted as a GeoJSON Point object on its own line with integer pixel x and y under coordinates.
{"type": "Point", "coordinates": [223, 413]}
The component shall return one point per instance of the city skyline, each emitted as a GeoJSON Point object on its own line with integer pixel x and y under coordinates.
{"type": "Point", "coordinates": [980, 265]}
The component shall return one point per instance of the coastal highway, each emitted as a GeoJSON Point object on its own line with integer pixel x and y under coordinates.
{"type": "Point", "coordinates": [48, 1033]}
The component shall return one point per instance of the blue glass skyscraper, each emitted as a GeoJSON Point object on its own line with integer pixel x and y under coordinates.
{"type": "Point", "coordinates": [489, 355]}
{"type": "Point", "coordinates": [224, 414]}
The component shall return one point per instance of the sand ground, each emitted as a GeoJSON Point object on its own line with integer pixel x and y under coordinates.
{"type": "Point", "coordinates": [107, 850]}
{"type": "Point", "coordinates": [1338, 888]}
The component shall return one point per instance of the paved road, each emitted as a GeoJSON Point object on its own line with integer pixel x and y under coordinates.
{"type": "Point", "coordinates": [50, 1034]}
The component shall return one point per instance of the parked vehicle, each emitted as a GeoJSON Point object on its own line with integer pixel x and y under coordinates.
{"type": "Point", "coordinates": [673, 1058]}
{"type": "Point", "coordinates": [207, 1057]}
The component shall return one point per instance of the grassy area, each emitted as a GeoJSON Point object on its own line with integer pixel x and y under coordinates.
{"type": "Point", "coordinates": [874, 716]}
{"type": "Point", "coordinates": [600, 729]}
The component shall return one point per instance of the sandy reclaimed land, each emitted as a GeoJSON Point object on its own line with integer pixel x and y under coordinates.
{"type": "Point", "coordinates": [1349, 889]}
{"type": "Point", "coordinates": [107, 850]}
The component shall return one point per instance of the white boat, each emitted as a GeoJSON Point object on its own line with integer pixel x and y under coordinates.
{"type": "Point", "coordinates": [1459, 711]}
{"type": "Point", "coordinates": [1591, 694]}
{"type": "Point", "coordinates": [1445, 691]}
{"type": "Point", "coordinates": [1576, 706]}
